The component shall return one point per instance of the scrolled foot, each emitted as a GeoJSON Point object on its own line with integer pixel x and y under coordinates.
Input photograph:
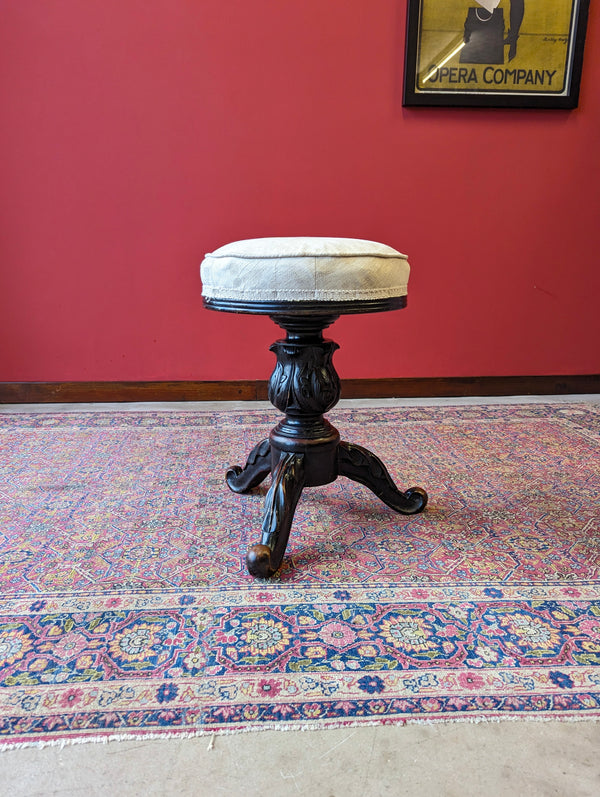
{"type": "Point", "coordinates": [362, 466]}
{"type": "Point", "coordinates": [258, 561]}
{"type": "Point", "coordinates": [417, 497]}
{"type": "Point", "coordinates": [256, 469]}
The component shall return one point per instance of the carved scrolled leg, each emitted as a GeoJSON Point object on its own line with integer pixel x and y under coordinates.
{"type": "Point", "coordinates": [257, 468]}
{"type": "Point", "coordinates": [362, 466]}
{"type": "Point", "coordinates": [264, 559]}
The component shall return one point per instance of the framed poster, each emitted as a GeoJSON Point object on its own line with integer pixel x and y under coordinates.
{"type": "Point", "coordinates": [494, 53]}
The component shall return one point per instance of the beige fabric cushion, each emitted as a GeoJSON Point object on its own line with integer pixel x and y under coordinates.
{"type": "Point", "coordinates": [304, 269]}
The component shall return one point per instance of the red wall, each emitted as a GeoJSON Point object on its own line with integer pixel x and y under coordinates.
{"type": "Point", "coordinates": [136, 135]}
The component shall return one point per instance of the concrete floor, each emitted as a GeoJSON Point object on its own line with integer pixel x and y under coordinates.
{"type": "Point", "coordinates": [517, 759]}
{"type": "Point", "coordinates": [507, 758]}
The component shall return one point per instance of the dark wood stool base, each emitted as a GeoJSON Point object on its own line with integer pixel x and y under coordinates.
{"type": "Point", "coordinates": [304, 449]}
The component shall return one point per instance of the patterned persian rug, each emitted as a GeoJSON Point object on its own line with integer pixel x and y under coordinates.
{"type": "Point", "coordinates": [125, 607]}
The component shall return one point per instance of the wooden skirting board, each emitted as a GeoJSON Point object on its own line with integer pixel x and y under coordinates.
{"type": "Point", "coordinates": [250, 390]}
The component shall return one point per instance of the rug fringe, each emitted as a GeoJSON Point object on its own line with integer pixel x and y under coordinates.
{"type": "Point", "coordinates": [214, 733]}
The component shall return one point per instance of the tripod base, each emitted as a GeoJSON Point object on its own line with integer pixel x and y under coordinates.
{"type": "Point", "coordinates": [304, 449]}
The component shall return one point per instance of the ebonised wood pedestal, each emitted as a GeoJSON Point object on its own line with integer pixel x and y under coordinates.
{"type": "Point", "coordinates": [304, 449]}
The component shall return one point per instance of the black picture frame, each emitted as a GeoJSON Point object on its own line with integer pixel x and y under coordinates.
{"type": "Point", "coordinates": [539, 66]}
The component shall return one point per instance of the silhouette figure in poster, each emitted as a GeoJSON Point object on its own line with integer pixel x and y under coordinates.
{"type": "Point", "coordinates": [515, 18]}
{"type": "Point", "coordinates": [484, 38]}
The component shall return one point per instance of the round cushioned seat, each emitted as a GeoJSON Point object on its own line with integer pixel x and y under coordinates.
{"type": "Point", "coordinates": [304, 270]}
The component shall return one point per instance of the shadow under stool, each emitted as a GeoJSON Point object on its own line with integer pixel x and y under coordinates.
{"type": "Point", "coordinates": [304, 285]}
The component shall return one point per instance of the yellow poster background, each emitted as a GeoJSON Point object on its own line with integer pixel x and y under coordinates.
{"type": "Point", "coordinates": [540, 64]}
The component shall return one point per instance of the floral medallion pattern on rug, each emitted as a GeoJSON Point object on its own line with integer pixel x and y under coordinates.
{"type": "Point", "coordinates": [125, 607]}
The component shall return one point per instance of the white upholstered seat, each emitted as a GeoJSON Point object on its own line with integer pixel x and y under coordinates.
{"type": "Point", "coordinates": [304, 269]}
